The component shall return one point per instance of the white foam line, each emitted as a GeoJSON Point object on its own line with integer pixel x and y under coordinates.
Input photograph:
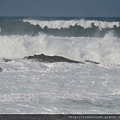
{"type": "Point", "coordinates": [58, 24]}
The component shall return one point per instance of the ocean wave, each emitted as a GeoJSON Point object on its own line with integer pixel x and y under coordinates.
{"type": "Point", "coordinates": [73, 31]}
{"type": "Point", "coordinates": [103, 50]}
{"type": "Point", "coordinates": [58, 24]}
{"type": "Point", "coordinates": [62, 28]}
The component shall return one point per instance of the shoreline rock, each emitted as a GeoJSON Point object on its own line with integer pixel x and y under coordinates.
{"type": "Point", "coordinates": [1, 69]}
{"type": "Point", "coordinates": [51, 59]}
{"type": "Point", "coordinates": [6, 60]}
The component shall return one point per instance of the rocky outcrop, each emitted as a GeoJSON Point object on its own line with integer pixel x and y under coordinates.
{"type": "Point", "coordinates": [50, 59]}
{"type": "Point", "coordinates": [6, 60]}
{"type": "Point", "coordinates": [1, 69]}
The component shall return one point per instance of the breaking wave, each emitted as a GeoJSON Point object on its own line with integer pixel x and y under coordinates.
{"type": "Point", "coordinates": [62, 28]}
{"type": "Point", "coordinates": [58, 24]}
{"type": "Point", "coordinates": [103, 50]}
{"type": "Point", "coordinates": [78, 39]}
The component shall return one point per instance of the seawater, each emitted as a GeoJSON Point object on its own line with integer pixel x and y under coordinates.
{"type": "Point", "coordinates": [34, 87]}
{"type": "Point", "coordinates": [96, 39]}
{"type": "Point", "coordinates": [86, 27]}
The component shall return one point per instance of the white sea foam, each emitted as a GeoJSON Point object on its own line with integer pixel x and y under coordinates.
{"type": "Point", "coordinates": [104, 50]}
{"type": "Point", "coordinates": [58, 88]}
{"type": "Point", "coordinates": [58, 24]}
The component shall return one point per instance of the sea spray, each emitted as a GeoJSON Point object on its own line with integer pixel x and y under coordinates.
{"type": "Point", "coordinates": [103, 50]}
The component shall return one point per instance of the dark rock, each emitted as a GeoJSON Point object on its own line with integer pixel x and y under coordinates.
{"type": "Point", "coordinates": [93, 62]}
{"type": "Point", "coordinates": [51, 59]}
{"type": "Point", "coordinates": [1, 69]}
{"type": "Point", "coordinates": [6, 60]}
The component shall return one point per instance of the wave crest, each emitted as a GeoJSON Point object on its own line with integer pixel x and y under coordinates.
{"type": "Point", "coordinates": [58, 24]}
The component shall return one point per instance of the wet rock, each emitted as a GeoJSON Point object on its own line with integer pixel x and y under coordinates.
{"type": "Point", "coordinates": [93, 62]}
{"type": "Point", "coordinates": [1, 69]}
{"type": "Point", "coordinates": [6, 60]}
{"type": "Point", "coordinates": [50, 59]}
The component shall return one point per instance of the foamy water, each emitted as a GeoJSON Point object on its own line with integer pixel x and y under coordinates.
{"type": "Point", "coordinates": [60, 88]}
{"type": "Point", "coordinates": [103, 50]}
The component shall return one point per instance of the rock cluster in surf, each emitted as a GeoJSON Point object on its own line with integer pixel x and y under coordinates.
{"type": "Point", "coordinates": [6, 60]}
{"type": "Point", "coordinates": [51, 59]}
{"type": "Point", "coordinates": [1, 69]}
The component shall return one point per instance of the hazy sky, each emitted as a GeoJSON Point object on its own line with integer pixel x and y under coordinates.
{"type": "Point", "coordinates": [80, 8]}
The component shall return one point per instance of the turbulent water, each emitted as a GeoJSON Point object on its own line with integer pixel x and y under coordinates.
{"type": "Point", "coordinates": [77, 38]}
{"type": "Point", "coordinates": [33, 87]}
{"type": "Point", "coordinates": [76, 27]}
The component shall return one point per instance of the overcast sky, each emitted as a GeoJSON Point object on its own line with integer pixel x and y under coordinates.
{"type": "Point", "coordinates": [75, 8]}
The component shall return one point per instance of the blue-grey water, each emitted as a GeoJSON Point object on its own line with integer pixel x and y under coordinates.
{"type": "Point", "coordinates": [65, 26]}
